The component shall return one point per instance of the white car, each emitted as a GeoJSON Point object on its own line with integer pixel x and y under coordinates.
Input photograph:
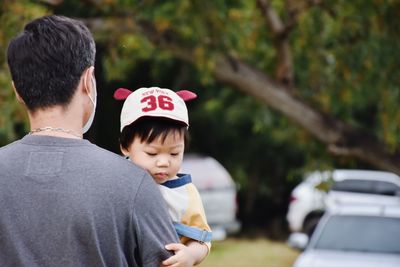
{"type": "Point", "coordinates": [319, 189]}
{"type": "Point", "coordinates": [352, 236]}
{"type": "Point", "coordinates": [218, 193]}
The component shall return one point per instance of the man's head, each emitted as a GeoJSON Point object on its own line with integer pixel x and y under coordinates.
{"type": "Point", "coordinates": [47, 60]}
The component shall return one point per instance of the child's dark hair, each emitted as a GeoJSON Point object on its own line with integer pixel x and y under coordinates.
{"type": "Point", "coordinates": [150, 128]}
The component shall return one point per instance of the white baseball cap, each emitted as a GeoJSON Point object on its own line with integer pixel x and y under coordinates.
{"type": "Point", "coordinates": [153, 102]}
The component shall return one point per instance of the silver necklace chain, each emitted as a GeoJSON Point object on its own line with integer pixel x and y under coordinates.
{"type": "Point", "coordinates": [54, 129]}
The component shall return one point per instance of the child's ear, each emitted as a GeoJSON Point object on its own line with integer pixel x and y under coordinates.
{"type": "Point", "coordinates": [124, 151]}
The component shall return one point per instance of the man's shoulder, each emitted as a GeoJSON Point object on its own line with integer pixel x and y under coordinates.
{"type": "Point", "coordinates": [7, 149]}
{"type": "Point", "coordinates": [7, 146]}
{"type": "Point", "coordinates": [112, 172]}
{"type": "Point", "coordinates": [108, 159]}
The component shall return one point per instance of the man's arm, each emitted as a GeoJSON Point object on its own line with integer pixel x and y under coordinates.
{"type": "Point", "coordinates": [152, 223]}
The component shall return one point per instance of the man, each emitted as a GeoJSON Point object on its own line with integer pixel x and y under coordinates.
{"type": "Point", "coordinates": [65, 201]}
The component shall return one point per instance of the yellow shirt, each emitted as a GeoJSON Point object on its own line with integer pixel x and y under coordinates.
{"type": "Point", "coordinates": [185, 206]}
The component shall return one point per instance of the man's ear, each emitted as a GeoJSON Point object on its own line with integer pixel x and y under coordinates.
{"type": "Point", "coordinates": [19, 98]}
{"type": "Point", "coordinates": [87, 77]}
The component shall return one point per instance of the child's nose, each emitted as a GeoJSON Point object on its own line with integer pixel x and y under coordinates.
{"type": "Point", "coordinates": [162, 162]}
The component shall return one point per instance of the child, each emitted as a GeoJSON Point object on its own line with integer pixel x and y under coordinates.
{"type": "Point", "coordinates": [154, 127]}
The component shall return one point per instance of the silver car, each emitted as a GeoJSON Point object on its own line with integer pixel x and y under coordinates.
{"type": "Point", "coordinates": [352, 236]}
{"type": "Point", "coordinates": [218, 193]}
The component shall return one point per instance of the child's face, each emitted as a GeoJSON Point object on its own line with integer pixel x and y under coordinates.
{"type": "Point", "coordinates": [161, 160]}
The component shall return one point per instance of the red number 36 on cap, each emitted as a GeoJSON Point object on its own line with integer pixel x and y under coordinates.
{"type": "Point", "coordinates": [161, 101]}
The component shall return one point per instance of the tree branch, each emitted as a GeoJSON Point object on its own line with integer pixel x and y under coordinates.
{"type": "Point", "coordinates": [340, 138]}
{"type": "Point", "coordinates": [280, 33]}
{"type": "Point", "coordinates": [166, 39]}
{"type": "Point", "coordinates": [52, 2]}
{"type": "Point", "coordinates": [273, 20]}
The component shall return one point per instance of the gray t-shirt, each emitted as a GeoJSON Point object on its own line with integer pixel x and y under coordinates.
{"type": "Point", "coordinates": [67, 202]}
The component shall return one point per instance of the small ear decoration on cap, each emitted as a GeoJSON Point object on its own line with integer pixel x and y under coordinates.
{"type": "Point", "coordinates": [186, 95]}
{"type": "Point", "coordinates": [122, 94]}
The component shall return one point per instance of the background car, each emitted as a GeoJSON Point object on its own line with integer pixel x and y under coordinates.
{"type": "Point", "coordinates": [320, 189]}
{"type": "Point", "coordinates": [218, 192]}
{"type": "Point", "coordinates": [355, 186]}
{"type": "Point", "coordinates": [307, 202]}
{"type": "Point", "coordinates": [352, 236]}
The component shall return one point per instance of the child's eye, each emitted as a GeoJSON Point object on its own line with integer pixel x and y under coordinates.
{"type": "Point", "coordinates": [151, 154]}
{"type": "Point", "coordinates": [174, 154]}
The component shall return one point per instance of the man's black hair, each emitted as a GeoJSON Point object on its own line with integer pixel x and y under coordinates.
{"type": "Point", "coordinates": [47, 59]}
{"type": "Point", "coordinates": [148, 129]}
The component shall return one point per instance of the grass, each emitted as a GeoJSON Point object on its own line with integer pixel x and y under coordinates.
{"type": "Point", "coordinates": [250, 252]}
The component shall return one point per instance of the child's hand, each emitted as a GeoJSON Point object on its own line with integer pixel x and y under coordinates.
{"type": "Point", "coordinates": [182, 258]}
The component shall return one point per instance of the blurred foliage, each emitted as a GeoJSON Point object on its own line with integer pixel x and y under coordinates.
{"type": "Point", "coordinates": [352, 68]}
{"type": "Point", "coordinates": [13, 16]}
{"type": "Point", "coordinates": [346, 63]}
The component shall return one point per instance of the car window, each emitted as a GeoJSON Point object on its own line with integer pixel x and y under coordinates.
{"type": "Point", "coordinates": [366, 186]}
{"type": "Point", "coordinates": [360, 233]}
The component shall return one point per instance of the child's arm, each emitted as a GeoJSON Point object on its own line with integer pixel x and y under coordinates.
{"type": "Point", "coordinates": [186, 255]}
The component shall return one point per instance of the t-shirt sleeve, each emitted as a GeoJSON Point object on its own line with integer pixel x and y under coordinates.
{"type": "Point", "coordinates": [195, 215]}
{"type": "Point", "coordinates": [153, 225]}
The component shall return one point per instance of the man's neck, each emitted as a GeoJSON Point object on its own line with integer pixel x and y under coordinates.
{"type": "Point", "coordinates": [55, 121]}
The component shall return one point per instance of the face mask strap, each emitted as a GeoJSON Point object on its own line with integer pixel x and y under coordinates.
{"type": "Point", "coordinates": [88, 124]}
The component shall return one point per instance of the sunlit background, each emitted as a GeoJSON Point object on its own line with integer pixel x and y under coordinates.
{"type": "Point", "coordinates": [285, 88]}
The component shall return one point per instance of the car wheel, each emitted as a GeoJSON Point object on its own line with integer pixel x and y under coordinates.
{"type": "Point", "coordinates": [310, 225]}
